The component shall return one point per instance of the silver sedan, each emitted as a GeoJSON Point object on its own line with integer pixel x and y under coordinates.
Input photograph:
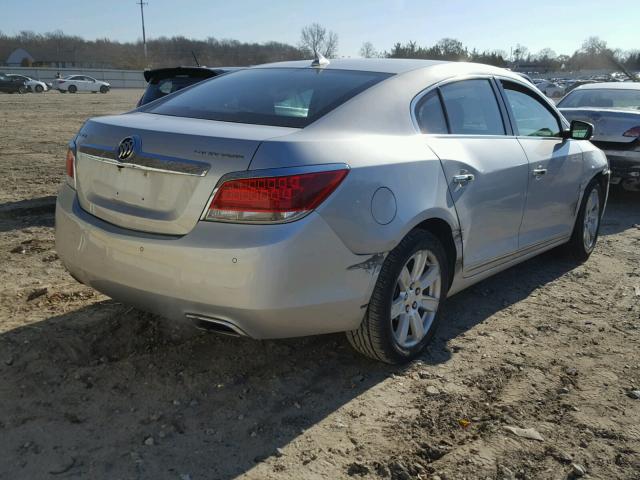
{"type": "Point", "coordinates": [303, 198]}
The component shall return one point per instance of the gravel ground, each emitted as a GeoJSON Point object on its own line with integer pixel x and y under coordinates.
{"type": "Point", "coordinates": [531, 376]}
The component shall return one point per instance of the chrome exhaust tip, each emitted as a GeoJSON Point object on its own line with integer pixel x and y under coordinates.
{"type": "Point", "coordinates": [215, 325]}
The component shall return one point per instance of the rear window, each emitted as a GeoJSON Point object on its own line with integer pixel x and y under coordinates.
{"type": "Point", "coordinates": [285, 97]}
{"type": "Point", "coordinates": [602, 98]}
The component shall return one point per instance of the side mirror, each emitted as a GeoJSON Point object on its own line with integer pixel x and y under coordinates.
{"type": "Point", "coordinates": [579, 130]}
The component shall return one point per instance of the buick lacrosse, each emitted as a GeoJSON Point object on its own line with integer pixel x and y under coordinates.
{"type": "Point", "coordinates": [303, 198]}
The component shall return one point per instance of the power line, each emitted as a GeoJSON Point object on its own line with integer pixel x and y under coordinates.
{"type": "Point", "coordinates": [144, 36]}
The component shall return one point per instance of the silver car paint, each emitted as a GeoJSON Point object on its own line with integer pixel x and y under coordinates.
{"type": "Point", "coordinates": [490, 216]}
{"type": "Point", "coordinates": [551, 197]}
{"type": "Point", "coordinates": [268, 280]}
{"type": "Point", "coordinates": [314, 275]}
{"type": "Point", "coordinates": [161, 202]}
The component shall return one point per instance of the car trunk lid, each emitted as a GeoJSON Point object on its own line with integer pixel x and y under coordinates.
{"type": "Point", "coordinates": [173, 167]}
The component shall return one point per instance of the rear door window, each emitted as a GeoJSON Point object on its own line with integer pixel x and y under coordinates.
{"type": "Point", "coordinates": [472, 108]}
{"type": "Point", "coordinates": [532, 117]}
{"type": "Point", "coordinates": [429, 114]}
{"type": "Point", "coordinates": [287, 97]}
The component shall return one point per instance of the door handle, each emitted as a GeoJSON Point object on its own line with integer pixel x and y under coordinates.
{"type": "Point", "coordinates": [538, 172]}
{"type": "Point", "coordinates": [463, 178]}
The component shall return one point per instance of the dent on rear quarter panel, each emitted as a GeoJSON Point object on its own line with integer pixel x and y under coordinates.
{"type": "Point", "coordinates": [402, 163]}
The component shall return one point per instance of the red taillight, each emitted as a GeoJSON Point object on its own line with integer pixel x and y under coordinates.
{"type": "Point", "coordinates": [632, 132]}
{"type": "Point", "coordinates": [272, 199]}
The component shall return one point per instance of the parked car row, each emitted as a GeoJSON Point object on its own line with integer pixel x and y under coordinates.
{"type": "Point", "coordinates": [558, 87]}
{"type": "Point", "coordinates": [16, 83]}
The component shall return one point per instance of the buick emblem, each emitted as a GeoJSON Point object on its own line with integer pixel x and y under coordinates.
{"type": "Point", "coordinates": [126, 148]}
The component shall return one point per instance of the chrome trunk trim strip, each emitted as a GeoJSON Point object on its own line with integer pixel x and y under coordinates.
{"type": "Point", "coordinates": [145, 161]}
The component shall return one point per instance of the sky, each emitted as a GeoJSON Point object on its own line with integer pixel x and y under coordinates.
{"type": "Point", "coordinates": [561, 25]}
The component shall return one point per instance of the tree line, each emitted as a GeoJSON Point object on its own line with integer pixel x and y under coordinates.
{"type": "Point", "coordinates": [593, 54]}
{"type": "Point", "coordinates": [59, 49]}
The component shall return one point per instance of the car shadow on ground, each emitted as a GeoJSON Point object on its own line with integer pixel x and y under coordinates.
{"type": "Point", "coordinates": [35, 212]}
{"type": "Point", "coordinates": [115, 392]}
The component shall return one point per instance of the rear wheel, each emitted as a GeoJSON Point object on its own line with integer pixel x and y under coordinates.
{"type": "Point", "coordinates": [72, 89]}
{"type": "Point", "coordinates": [402, 316]}
{"type": "Point", "coordinates": [585, 232]}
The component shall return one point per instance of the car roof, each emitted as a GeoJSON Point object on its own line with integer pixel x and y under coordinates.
{"type": "Point", "coordinates": [610, 86]}
{"type": "Point", "coordinates": [400, 66]}
{"type": "Point", "coordinates": [383, 65]}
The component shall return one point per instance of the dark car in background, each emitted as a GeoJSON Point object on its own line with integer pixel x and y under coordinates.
{"type": "Point", "coordinates": [613, 109]}
{"type": "Point", "coordinates": [163, 81]}
{"type": "Point", "coordinates": [12, 85]}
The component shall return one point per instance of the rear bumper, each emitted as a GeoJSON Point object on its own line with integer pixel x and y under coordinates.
{"type": "Point", "coordinates": [269, 281]}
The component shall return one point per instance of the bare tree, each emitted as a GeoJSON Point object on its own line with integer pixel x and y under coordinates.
{"type": "Point", "coordinates": [315, 38]}
{"type": "Point", "coordinates": [368, 50]}
{"type": "Point", "coordinates": [520, 53]}
{"type": "Point", "coordinates": [594, 46]}
{"type": "Point", "coordinates": [546, 54]}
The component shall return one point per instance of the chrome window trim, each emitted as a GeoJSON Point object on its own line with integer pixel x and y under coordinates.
{"type": "Point", "coordinates": [459, 78]}
{"type": "Point", "coordinates": [541, 97]}
{"type": "Point", "coordinates": [501, 103]}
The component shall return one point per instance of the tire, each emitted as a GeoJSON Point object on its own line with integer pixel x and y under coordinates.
{"type": "Point", "coordinates": [39, 89]}
{"type": "Point", "coordinates": [72, 89]}
{"type": "Point", "coordinates": [380, 334]}
{"type": "Point", "coordinates": [585, 234]}
{"type": "Point", "coordinates": [22, 89]}
{"type": "Point", "coordinates": [104, 89]}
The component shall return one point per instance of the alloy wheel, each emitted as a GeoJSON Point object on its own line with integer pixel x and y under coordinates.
{"type": "Point", "coordinates": [415, 299]}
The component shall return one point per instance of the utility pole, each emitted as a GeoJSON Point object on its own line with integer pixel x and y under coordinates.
{"type": "Point", "coordinates": [144, 36]}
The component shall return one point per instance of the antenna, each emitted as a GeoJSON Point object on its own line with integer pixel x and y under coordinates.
{"type": "Point", "coordinates": [319, 61]}
{"type": "Point", "coordinates": [195, 58]}
{"type": "Point", "coordinates": [144, 36]}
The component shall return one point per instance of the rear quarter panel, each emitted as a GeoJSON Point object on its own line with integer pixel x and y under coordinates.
{"type": "Point", "coordinates": [595, 162]}
{"type": "Point", "coordinates": [403, 164]}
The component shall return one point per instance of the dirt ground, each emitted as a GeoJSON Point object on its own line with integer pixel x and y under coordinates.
{"type": "Point", "coordinates": [90, 388]}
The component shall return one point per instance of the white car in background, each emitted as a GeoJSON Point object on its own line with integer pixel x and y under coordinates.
{"type": "Point", "coordinates": [80, 83]}
{"type": "Point", "coordinates": [32, 84]}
